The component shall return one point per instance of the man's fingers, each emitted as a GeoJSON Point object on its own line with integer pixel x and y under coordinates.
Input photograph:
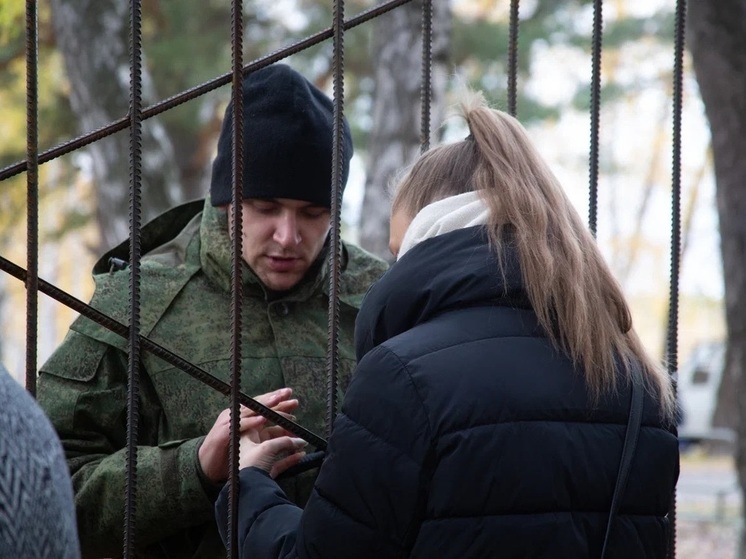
{"type": "Point", "coordinates": [271, 399]}
{"type": "Point", "coordinates": [278, 399]}
{"type": "Point", "coordinates": [283, 408]}
{"type": "Point", "coordinates": [289, 416]}
{"type": "Point", "coordinates": [286, 406]}
{"type": "Point", "coordinates": [253, 422]}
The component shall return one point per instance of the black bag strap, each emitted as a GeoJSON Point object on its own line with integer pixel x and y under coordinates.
{"type": "Point", "coordinates": [628, 451]}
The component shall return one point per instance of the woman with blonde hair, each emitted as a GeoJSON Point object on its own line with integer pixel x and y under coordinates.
{"type": "Point", "coordinates": [490, 407]}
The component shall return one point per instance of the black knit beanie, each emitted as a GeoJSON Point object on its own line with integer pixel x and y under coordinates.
{"type": "Point", "coordinates": [287, 133]}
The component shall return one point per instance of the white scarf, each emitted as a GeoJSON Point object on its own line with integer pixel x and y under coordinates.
{"type": "Point", "coordinates": [456, 212]}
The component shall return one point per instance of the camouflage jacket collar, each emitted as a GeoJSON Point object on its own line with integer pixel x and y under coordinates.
{"type": "Point", "coordinates": [172, 229]}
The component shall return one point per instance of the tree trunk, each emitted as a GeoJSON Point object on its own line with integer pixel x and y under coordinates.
{"type": "Point", "coordinates": [395, 137]}
{"type": "Point", "coordinates": [717, 41]}
{"type": "Point", "coordinates": [93, 36]}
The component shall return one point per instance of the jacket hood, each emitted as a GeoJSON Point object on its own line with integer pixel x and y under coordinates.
{"type": "Point", "coordinates": [161, 231]}
{"type": "Point", "coordinates": [447, 272]}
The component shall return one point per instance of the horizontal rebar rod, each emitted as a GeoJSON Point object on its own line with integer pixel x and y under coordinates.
{"type": "Point", "coordinates": [197, 91]}
{"type": "Point", "coordinates": [161, 352]}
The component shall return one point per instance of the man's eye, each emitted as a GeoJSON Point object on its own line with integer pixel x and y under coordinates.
{"type": "Point", "coordinates": [315, 212]}
{"type": "Point", "coordinates": [265, 209]}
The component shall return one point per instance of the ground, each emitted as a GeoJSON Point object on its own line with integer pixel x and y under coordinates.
{"type": "Point", "coordinates": [708, 506]}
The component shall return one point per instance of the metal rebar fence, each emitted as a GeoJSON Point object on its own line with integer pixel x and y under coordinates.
{"type": "Point", "coordinates": [137, 343]}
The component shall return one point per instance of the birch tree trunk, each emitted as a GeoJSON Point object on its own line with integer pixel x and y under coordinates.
{"type": "Point", "coordinates": [717, 41]}
{"type": "Point", "coordinates": [395, 136]}
{"type": "Point", "coordinates": [93, 36]}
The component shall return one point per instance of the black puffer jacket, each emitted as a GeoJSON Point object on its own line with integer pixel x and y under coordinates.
{"type": "Point", "coordinates": [464, 434]}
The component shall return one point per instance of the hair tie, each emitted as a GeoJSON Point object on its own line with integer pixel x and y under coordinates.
{"type": "Point", "coordinates": [469, 138]}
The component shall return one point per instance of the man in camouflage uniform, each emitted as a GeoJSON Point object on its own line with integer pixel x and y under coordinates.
{"type": "Point", "coordinates": [185, 307]}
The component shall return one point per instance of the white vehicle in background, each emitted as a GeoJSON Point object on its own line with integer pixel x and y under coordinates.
{"type": "Point", "coordinates": [698, 385]}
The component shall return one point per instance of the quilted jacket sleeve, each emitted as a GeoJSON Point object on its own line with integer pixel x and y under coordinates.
{"type": "Point", "coordinates": [369, 498]}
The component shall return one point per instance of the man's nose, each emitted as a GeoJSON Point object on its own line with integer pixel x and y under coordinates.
{"type": "Point", "coordinates": [287, 233]}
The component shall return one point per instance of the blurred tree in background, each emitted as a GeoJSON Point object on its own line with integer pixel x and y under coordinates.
{"type": "Point", "coordinates": [396, 112]}
{"type": "Point", "coordinates": [186, 43]}
{"type": "Point", "coordinates": [84, 84]}
{"type": "Point", "coordinates": [717, 41]}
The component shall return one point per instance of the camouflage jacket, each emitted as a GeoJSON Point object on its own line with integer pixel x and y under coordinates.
{"type": "Point", "coordinates": [185, 307]}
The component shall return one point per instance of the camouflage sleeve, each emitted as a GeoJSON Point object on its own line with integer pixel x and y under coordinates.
{"type": "Point", "coordinates": [83, 389]}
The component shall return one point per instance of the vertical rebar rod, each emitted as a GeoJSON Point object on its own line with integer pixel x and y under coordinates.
{"type": "Point", "coordinates": [237, 151]}
{"type": "Point", "coordinates": [426, 91]}
{"type": "Point", "coordinates": [513, 30]}
{"type": "Point", "coordinates": [133, 379]}
{"type": "Point", "coordinates": [595, 114]}
{"type": "Point", "coordinates": [32, 192]}
{"type": "Point", "coordinates": [192, 93]}
{"type": "Point", "coordinates": [673, 304]}
{"type": "Point", "coordinates": [335, 248]}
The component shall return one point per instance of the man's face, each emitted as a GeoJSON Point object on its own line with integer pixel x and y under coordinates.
{"type": "Point", "coordinates": [282, 238]}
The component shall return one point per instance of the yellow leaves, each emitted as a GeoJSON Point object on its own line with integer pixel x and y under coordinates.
{"type": "Point", "coordinates": [12, 99]}
{"type": "Point", "coordinates": [489, 10]}
{"type": "Point", "coordinates": [12, 14]}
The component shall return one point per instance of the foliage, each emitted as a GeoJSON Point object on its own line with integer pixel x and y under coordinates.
{"type": "Point", "coordinates": [187, 42]}
{"type": "Point", "coordinates": [480, 48]}
{"type": "Point", "coordinates": [55, 119]}
{"type": "Point", "coordinates": [11, 21]}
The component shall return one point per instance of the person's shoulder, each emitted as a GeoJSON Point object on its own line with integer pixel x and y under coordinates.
{"type": "Point", "coordinates": [173, 229]}
{"type": "Point", "coordinates": [362, 270]}
{"type": "Point", "coordinates": [159, 285]}
{"type": "Point", "coordinates": [44, 498]}
{"type": "Point", "coordinates": [363, 266]}
{"type": "Point", "coordinates": [34, 436]}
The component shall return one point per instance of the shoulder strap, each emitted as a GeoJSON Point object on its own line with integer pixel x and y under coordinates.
{"type": "Point", "coordinates": [628, 451]}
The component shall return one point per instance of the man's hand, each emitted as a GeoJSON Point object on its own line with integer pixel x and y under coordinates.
{"type": "Point", "coordinates": [213, 454]}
